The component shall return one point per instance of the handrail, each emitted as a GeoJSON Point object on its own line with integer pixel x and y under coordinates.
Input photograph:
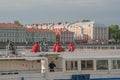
{"type": "Point", "coordinates": [29, 71]}
{"type": "Point", "coordinates": [78, 47]}
{"type": "Point", "coordinates": [21, 71]}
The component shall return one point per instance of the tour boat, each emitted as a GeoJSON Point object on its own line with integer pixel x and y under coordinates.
{"type": "Point", "coordinates": [80, 64]}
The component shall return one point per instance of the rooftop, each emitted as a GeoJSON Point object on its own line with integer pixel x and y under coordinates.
{"type": "Point", "coordinates": [9, 25]}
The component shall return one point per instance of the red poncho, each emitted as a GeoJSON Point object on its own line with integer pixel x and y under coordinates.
{"type": "Point", "coordinates": [58, 48]}
{"type": "Point", "coordinates": [54, 47]}
{"type": "Point", "coordinates": [71, 47]}
{"type": "Point", "coordinates": [35, 48]}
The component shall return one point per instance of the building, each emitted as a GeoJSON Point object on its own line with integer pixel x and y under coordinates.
{"type": "Point", "coordinates": [36, 35]}
{"type": "Point", "coordinates": [20, 34]}
{"type": "Point", "coordinates": [9, 31]}
{"type": "Point", "coordinates": [89, 32]}
{"type": "Point", "coordinates": [66, 36]}
{"type": "Point", "coordinates": [100, 34]}
{"type": "Point", "coordinates": [48, 25]}
{"type": "Point", "coordinates": [84, 32]}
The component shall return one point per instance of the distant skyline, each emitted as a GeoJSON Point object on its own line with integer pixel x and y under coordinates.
{"type": "Point", "coordinates": [44, 11]}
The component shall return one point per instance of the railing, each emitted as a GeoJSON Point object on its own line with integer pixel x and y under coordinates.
{"type": "Point", "coordinates": [11, 72]}
{"type": "Point", "coordinates": [77, 47]}
{"type": "Point", "coordinates": [57, 70]}
{"type": "Point", "coordinates": [98, 47]}
{"type": "Point", "coordinates": [28, 71]}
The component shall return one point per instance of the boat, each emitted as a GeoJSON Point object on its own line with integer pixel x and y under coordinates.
{"type": "Point", "coordinates": [87, 64]}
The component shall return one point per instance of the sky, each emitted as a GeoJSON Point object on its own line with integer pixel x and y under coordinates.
{"type": "Point", "coordinates": [46, 11]}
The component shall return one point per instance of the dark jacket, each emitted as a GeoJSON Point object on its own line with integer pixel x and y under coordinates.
{"type": "Point", "coordinates": [52, 65]}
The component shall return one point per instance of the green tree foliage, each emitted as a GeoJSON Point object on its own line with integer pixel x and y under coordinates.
{"type": "Point", "coordinates": [17, 23]}
{"type": "Point", "coordinates": [114, 33]}
{"type": "Point", "coordinates": [85, 20]}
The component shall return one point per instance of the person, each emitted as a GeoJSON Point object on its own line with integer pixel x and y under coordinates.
{"type": "Point", "coordinates": [41, 43]}
{"type": "Point", "coordinates": [52, 66]}
{"type": "Point", "coordinates": [57, 47]}
{"type": "Point", "coordinates": [45, 46]}
{"type": "Point", "coordinates": [11, 47]}
{"type": "Point", "coordinates": [35, 47]}
{"type": "Point", "coordinates": [54, 47]}
{"type": "Point", "coordinates": [71, 47]}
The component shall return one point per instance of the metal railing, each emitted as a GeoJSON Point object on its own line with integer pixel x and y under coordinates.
{"type": "Point", "coordinates": [14, 72]}
{"type": "Point", "coordinates": [77, 47]}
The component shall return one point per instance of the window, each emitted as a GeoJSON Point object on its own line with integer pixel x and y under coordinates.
{"type": "Point", "coordinates": [102, 64]}
{"type": "Point", "coordinates": [115, 64]}
{"type": "Point", "coordinates": [87, 65]}
{"type": "Point", "coordinates": [71, 65]}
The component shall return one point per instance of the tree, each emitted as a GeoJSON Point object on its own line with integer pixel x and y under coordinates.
{"type": "Point", "coordinates": [114, 33]}
{"type": "Point", "coordinates": [85, 20]}
{"type": "Point", "coordinates": [17, 23]}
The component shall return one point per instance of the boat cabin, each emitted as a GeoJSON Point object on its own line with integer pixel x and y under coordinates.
{"type": "Point", "coordinates": [99, 64]}
{"type": "Point", "coordinates": [102, 64]}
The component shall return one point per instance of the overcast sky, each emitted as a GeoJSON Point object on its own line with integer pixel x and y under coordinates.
{"type": "Point", "coordinates": [44, 11]}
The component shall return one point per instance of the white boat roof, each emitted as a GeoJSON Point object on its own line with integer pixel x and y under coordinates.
{"type": "Point", "coordinates": [81, 54]}
{"type": "Point", "coordinates": [91, 55]}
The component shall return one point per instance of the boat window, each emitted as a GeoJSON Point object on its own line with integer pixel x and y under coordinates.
{"type": "Point", "coordinates": [102, 64]}
{"type": "Point", "coordinates": [71, 65]}
{"type": "Point", "coordinates": [115, 64]}
{"type": "Point", "coordinates": [86, 64]}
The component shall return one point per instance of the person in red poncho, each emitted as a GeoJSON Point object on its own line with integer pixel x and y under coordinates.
{"type": "Point", "coordinates": [35, 47]}
{"type": "Point", "coordinates": [54, 47]}
{"type": "Point", "coordinates": [57, 47]}
{"type": "Point", "coordinates": [71, 47]}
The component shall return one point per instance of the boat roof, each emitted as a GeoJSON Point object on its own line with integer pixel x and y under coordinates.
{"type": "Point", "coordinates": [91, 55]}
{"type": "Point", "coordinates": [81, 54]}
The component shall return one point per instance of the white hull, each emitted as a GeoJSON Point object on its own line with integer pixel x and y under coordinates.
{"type": "Point", "coordinates": [54, 75]}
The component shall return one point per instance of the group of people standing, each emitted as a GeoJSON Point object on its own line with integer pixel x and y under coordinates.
{"type": "Point", "coordinates": [56, 47]}
{"type": "Point", "coordinates": [42, 46]}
